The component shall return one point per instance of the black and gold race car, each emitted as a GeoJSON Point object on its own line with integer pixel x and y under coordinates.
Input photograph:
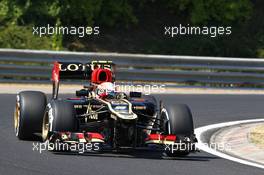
{"type": "Point", "coordinates": [102, 117]}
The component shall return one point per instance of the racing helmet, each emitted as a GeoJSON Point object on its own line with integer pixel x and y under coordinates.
{"type": "Point", "coordinates": [105, 89]}
{"type": "Point", "coordinates": [100, 75]}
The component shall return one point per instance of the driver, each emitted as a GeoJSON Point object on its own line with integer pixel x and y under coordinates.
{"type": "Point", "coordinates": [105, 90]}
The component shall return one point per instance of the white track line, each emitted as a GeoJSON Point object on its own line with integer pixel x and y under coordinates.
{"type": "Point", "coordinates": [203, 146]}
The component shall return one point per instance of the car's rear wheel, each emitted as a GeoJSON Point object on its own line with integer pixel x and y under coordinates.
{"type": "Point", "coordinates": [28, 114]}
{"type": "Point", "coordinates": [59, 117]}
{"type": "Point", "coordinates": [178, 121]}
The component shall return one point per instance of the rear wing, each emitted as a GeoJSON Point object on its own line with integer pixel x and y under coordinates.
{"type": "Point", "coordinates": [76, 70]}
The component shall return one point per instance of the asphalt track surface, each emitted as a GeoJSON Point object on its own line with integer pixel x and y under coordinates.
{"type": "Point", "coordinates": [17, 157]}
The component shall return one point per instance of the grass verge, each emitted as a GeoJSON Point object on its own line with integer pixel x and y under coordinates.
{"type": "Point", "coordinates": [257, 136]}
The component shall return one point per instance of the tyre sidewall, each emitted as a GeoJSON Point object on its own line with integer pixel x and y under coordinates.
{"type": "Point", "coordinates": [32, 106]}
{"type": "Point", "coordinates": [62, 116]}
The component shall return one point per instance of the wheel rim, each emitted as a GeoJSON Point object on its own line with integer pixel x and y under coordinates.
{"type": "Point", "coordinates": [17, 118]}
{"type": "Point", "coordinates": [45, 127]}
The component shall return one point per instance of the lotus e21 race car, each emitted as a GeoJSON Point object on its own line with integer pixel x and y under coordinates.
{"type": "Point", "coordinates": [102, 117]}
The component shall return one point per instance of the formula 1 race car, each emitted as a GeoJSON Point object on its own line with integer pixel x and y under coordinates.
{"type": "Point", "coordinates": [102, 116]}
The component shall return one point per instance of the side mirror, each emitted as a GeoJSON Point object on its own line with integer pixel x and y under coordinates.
{"type": "Point", "coordinates": [135, 94]}
{"type": "Point", "coordinates": [82, 92]}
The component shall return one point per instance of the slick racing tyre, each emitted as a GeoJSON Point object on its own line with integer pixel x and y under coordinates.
{"type": "Point", "coordinates": [59, 117]}
{"type": "Point", "coordinates": [28, 115]}
{"type": "Point", "coordinates": [179, 122]}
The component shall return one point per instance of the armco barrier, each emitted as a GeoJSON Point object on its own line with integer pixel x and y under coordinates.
{"type": "Point", "coordinates": [32, 65]}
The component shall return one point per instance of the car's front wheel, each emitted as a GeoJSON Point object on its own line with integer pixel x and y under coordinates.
{"type": "Point", "coordinates": [178, 121]}
{"type": "Point", "coordinates": [28, 114]}
{"type": "Point", "coordinates": [59, 117]}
